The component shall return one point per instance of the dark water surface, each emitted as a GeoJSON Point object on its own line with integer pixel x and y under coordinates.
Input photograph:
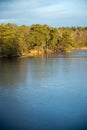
{"type": "Point", "coordinates": [44, 93]}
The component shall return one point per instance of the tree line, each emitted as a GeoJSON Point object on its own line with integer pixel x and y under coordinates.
{"type": "Point", "coordinates": [19, 40]}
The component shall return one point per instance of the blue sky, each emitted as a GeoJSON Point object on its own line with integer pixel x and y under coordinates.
{"type": "Point", "coordinates": [52, 12]}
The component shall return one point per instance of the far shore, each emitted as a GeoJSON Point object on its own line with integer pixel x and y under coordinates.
{"type": "Point", "coordinates": [81, 48]}
{"type": "Point", "coordinates": [34, 53]}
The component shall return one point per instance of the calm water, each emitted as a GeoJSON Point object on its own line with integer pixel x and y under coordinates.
{"type": "Point", "coordinates": [44, 93]}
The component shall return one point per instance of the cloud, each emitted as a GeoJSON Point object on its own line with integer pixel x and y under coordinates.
{"type": "Point", "coordinates": [65, 12]}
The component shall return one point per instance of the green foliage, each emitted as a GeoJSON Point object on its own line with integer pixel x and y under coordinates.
{"type": "Point", "coordinates": [22, 40]}
{"type": "Point", "coordinates": [66, 41]}
{"type": "Point", "coordinates": [54, 37]}
{"type": "Point", "coordinates": [39, 36]}
{"type": "Point", "coordinates": [13, 39]}
{"type": "Point", "coordinates": [19, 40]}
{"type": "Point", "coordinates": [7, 35]}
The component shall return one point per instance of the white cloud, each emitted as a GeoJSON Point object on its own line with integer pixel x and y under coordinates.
{"type": "Point", "coordinates": [44, 11]}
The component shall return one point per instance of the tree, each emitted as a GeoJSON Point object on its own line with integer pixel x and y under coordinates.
{"type": "Point", "coordinates": [54, 39]}
{"type": "Point", "coordinates": [19, 40]}
{"type": "Point", "coordinates": [66, 41]}
{"type": "Point", "coordinates": [7, 34]}
{"type": "Point", "coordinates": [39, 36]}
{"type": "Point", "coordinates": [22, 40]}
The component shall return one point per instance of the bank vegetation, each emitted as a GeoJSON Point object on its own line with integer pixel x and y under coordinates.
{"type": "Point", "coordinates": [40, 39]}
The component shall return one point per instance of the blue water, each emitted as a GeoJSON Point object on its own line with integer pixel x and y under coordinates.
{"type": "Point", "coordinates": [44, 93]}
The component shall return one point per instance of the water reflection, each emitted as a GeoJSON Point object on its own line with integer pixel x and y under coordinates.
{"type": "Point", "coordinates": [48, 93]}
{"type": "Point", "coordinates": [12, 72]}
{"type": "Point", "coordinates": [72, 54]}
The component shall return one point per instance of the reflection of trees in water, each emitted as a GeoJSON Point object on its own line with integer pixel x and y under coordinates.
{"type": "Point", "coordinates": [12, 72]}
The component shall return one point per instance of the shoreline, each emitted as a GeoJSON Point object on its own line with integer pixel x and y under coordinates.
{"type": "Point", "coordinates": [82, 48]}
{"type": "Point", "coordinates": [39, 53]}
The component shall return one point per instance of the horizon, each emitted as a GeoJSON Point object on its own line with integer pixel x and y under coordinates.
{"type": "Point", "coordinates": [43, 25]}
{"type": "Point", "coordinates": [65, 13]}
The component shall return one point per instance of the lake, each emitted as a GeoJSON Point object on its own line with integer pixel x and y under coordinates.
{"type": "Point", "coordinates": [44, 93]}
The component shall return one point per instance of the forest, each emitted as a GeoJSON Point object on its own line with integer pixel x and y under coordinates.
{"type": "Point", "coordinates": [21, 40]}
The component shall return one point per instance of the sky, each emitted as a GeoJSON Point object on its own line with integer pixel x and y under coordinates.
{"type": "Point", "coordinates": [54, 13]}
